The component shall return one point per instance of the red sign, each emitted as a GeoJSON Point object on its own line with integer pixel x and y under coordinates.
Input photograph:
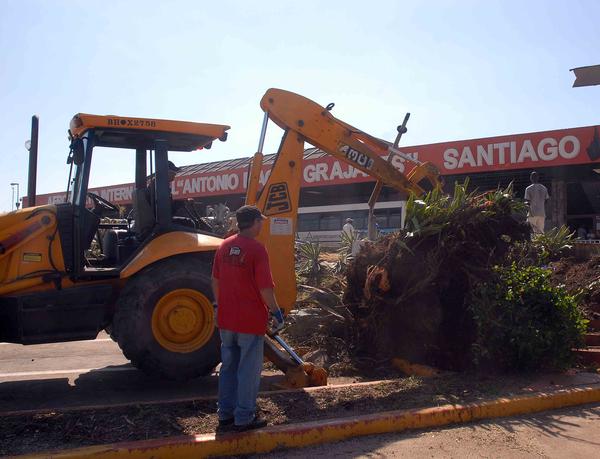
{"type": "Point", "coordinates": [492, 154]}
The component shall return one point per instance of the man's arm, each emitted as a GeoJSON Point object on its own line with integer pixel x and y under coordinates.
{"type": "Point", "coordinates": [268, 296]}
{"type": "Point", "coordinates": [278, 321]}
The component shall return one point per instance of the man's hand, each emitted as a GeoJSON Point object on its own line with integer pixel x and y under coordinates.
{"type": "Point", "coordinates": [277, 321]}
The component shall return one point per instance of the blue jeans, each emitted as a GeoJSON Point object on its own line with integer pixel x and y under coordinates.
{"type": "Point", "coordinates": [239, 378]}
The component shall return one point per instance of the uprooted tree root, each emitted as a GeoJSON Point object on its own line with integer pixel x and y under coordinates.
{"type": "Point", "coordinates": [408, 291]}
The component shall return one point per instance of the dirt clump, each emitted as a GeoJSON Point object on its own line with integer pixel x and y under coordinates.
{"type": "Point", "coordinates": [582, 277]}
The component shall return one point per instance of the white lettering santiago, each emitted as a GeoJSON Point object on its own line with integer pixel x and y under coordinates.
{"type": "Point", "coordinates": [548, 149]}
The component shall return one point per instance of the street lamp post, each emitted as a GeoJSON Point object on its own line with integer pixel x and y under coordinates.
{"type": "Point", "coordinates": [17, 203]}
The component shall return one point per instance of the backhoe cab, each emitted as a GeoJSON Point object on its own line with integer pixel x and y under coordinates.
{"type": "Point", "coordinates": [152, 204]}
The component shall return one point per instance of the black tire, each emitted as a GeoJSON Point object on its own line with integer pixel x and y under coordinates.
{"type": "Point", "coordinates": [132, 323]}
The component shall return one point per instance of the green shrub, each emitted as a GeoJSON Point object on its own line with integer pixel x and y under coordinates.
{"type": "Point", "coordinates": [345, 249]}
{"type": "Point", "coordinates": [310, 264]}
{"type": "Point", "coordinates": [523, 322]}
{"type": "Point", "coordinates": [554, 243]}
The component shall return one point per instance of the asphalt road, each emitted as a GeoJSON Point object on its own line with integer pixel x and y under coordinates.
{"type": "Point", "coordinates": [569, 433]}
{"type": "Point", "coordinates": [80, 373]}
{"type": "Point", "coordinates": [84, 373]}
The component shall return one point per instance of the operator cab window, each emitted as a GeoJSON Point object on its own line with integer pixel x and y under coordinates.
{"type": "Point", "coordinates": [112, 177]}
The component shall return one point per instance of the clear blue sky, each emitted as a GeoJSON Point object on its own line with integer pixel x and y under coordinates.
{"type": "Point", "coordinates": [464, 69]}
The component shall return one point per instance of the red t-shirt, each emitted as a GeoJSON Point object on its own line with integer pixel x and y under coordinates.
{"type": "Point", "coordinates": [242, 267]}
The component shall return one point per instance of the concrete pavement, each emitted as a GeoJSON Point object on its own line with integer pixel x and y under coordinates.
{"type": "Point", "coordinates": [567, 433]}
{"type": "Point", "coordinates": [81, 373]}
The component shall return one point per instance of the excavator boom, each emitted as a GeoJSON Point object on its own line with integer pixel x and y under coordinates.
{"type": "Point", "coordinates": [306, 121]}
{"type": "Point", "coordinates": [321, 129]}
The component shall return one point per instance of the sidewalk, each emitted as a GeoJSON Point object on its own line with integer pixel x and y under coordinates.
{"type": "Point", "coordinates": [329, 421]}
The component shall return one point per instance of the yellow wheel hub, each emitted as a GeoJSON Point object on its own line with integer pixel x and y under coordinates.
{"type": "Point", "coordinates": [183, 320]}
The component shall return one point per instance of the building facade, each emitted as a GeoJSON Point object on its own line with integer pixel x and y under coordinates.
{"type": "Point", "coordinates": [566, 159]}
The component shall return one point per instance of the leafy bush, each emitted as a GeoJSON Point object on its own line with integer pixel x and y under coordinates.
{"type": "Point", "coordinates": [554, 243]}
{"type": "Point", "coordinates": [310, 264]}
{"type": "Point", "coordinates": [437, 211]}
{"type": "Point", "coordinates": [345, 250]}
{"type": "Point", "coordinates": [523, 322]}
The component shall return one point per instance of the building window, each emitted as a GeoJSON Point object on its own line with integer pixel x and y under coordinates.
{"type": "Point", "coordinates": [330, 222]}
{"type": "Point", "coordinates": [308, 222]}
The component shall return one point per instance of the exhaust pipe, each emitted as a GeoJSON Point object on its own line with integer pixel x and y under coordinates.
{"type": "Point", "coordinates": [33, 155]}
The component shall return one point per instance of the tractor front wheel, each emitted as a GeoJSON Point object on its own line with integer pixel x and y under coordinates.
{"type": "Point", "coordinates": [164, 322]}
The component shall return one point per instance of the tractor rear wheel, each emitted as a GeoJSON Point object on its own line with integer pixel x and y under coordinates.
{"type": "Point", "coordinates": [164, 322]}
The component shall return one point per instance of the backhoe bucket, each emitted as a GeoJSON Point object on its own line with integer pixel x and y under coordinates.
{"type": "Point", "coordinates": [426, 176]}
{"type": "Point", "coordinates": [297, 372]}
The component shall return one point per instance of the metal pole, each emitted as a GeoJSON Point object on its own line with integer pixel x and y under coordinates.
{"type": "Point", "coordinates": [12, 197]}
{"type": "Point", "coordinates": [33, 153]}
{"type": "Point", "coordinates": [401, 130]}
{"type": "Point", "coordinates": [13, 185]}
{"type": "Point", "coordinates": [256, 166]}
{"type": "Point", "coordinates": [263, 133]}
{"type": "Point", "coordinates": [379, 185]}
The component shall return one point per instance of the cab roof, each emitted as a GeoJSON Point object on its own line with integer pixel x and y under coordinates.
{"type": "Point", "coordinates": [129, 132]}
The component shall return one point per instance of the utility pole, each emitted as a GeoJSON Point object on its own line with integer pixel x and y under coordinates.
{"type": "Point", "coordinates": [32, 146]}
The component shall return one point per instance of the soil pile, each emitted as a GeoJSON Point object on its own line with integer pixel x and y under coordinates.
{"type": "Point", "coordinates": [408, 290]}
{"type": "Point", "coordinates": [581, 276]}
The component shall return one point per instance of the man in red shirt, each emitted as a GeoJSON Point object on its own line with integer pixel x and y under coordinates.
{"type": "Point", "coordinates": [243, 288]}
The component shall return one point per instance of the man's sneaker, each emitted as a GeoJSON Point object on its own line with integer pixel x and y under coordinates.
{"type": "Point", "coordinates": [256, 423]}
{"type": "Point", "coordinates": [225, 425]}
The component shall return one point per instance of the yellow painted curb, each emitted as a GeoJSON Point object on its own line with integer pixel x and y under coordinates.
{"type": "Point", "coordinates": [317, 432]}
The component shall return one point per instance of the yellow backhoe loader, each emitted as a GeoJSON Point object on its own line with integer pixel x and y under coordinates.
{"type": "Point", "coordinates": [149, 285]}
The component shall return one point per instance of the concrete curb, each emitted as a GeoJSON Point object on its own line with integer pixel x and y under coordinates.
{"type": "Point", "coordinates": [318, 432]}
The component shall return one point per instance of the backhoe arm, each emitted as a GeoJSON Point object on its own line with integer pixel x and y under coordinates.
{"type": "Point", "coordinates": [306, 121]}
{"type": "Point", "coordinates": [320, 128]}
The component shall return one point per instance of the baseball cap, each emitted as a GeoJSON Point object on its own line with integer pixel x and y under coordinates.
{"type": "Point", "coordinates": [349, 220]}
{"type": "Point", "coordinates": [246, 215]}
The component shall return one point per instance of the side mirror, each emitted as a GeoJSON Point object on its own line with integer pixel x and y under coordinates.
{"type": "Point", "coordinates": [77, 154]}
